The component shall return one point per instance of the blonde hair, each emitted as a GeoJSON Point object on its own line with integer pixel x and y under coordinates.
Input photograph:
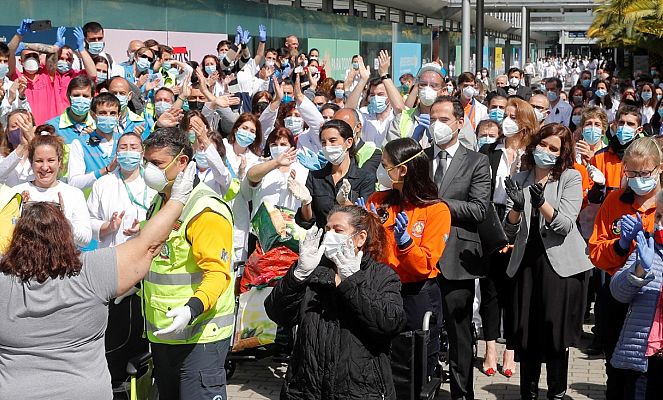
{"type": "Point", "coordinates": [595, 112]}
{"type": "Point", "coordinates": [525, 118]}
{"type": "Point", "coordinates": [643, 149]}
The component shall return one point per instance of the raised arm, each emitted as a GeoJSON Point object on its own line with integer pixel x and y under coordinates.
{"type": "Point", "coordinates": [355, 96]}
{"type": "Point", "coordinates": [260, 53]}
{"type": "Point", "coordinates": [394, 95]}
{"type": "Point", "coordinates": [258, 171]}
{"type": "Point", "coordinates": [135, 256]}
{"type": "Point", "coordinates": [88, 64]}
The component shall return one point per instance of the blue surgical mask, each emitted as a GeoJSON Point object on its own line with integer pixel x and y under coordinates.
{"type": "Point", "coordinates": [142, 64]}
{"type": "Point", "coordinates": [377, 104]}
{"type": "Point", "coordinates": [497, 115]}
{"type": "Point", "coordinates": [576, 119]}
{"type": "Point", "coordinates": [124, 100]}
{"type": "Point", "coordinates": [80, 105]}
{"type": "Point", "coordinates": [591, 134]}
{"type": "Point", "coordinates": [95, 47]}
{"type": "Point", "coordinates": [210, 69]}
{"type": "Point", "coordinates": [642, 186]}
{"type": "Point", "coordinates": [101, 77]}
{"type": "Point", "coordinates": [244, 138]}
{"type": "Point", "coordinates": [161, 107]}
{"type": "Point", "coordinates": [339, 93]}
{"type": "Point", "coordinates": [586, 83]}
{"type": "Point", "coordinates": [646, 96]}
{"type": "Point", "coordinates": [601, 93]}
{"type": "Point", "coordinates": [544, 159]}
{"type": "Point", "coordinates": [659, 97]}
{"type": "Point", "coordinates": [63, 66]}
{"type": "Point", "coordinates": [484, 140]}
{"type": "Point", "coordinates": [355, 65]}
{"type": "Point", "coordinates": [166, 65]}
{"type": "Point", "coordinates": [286, 99]}
{"type": "Point", "coordinates": [192, 136]}
{"type": "Point", "coordinates": [129, 160]}
{"type": "Point", "coordinates": [552, 96]}
{"type": "Point", "coordinates": [106, 123]}
{"type": "Point", "coordinates": [660, 112]}
{"type": "Point", "coordinates": [4, 70]}
{"type": "Point", "coordinates": [201, 160]}
{"type": "Point", "coordinates": [625, 134]}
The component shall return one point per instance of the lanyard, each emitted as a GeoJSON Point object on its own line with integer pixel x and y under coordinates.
{"type": "Point", "coordinates": [131, 196]}
{"type": "Point", "coordinates": [471, 115]}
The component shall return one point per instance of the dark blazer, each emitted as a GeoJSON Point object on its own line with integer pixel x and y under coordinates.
{"type": "Point", "coordinates": [521, 91]}
{"type": "Point", "coordinates": [465, 188]}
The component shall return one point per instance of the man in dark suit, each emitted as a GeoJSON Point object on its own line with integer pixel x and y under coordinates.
{"type": "Point", "coordinates": [515, 87]}
{"type": "Point", "coordinates": [463, 180]}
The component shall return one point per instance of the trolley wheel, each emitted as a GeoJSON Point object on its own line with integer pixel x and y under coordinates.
{"type": "Point", "coordinates": [230, 367]}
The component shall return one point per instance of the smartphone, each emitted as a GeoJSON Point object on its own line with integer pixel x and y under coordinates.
{"type": "Point", "coordinates": [41, 25]}
{"type": "Point", "coordinates": [376, 64]}
{"type": "Point", "coordinates": [299, 70]}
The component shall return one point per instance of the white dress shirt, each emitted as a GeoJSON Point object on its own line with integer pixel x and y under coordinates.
{"type": "Point", "coordinates": [451, 152]}
{"type": "Point", "coordinates": [560, 113]}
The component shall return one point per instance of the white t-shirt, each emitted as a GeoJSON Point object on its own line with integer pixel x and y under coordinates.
{"type": "Point", "coordinates": [75, 208]}
{"type": "Point", "coordinates": [274, 188]}
{"type": "Point", "coordinates": [14, 170]}
{"type": "Point", "coordinates": [76, 168]}
{"type": "Point", "coordinates": [110, 194]}
{"type": "Point", "coordinates": [375, 130]}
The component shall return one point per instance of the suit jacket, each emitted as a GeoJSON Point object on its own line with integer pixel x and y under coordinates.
{"type": "Point", "coordinates": [465, 188]}
{"type": "Point", "coordinates": [522, 91]}
{"type": "Point", "coordinates": [565, 247]}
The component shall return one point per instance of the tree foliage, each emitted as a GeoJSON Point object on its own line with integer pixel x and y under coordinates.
{"type": "Point", "coordinates": [629, 23]}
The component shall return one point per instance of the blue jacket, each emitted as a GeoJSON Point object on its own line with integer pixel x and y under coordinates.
{"type": "Point", "coordinates": [642, 295]}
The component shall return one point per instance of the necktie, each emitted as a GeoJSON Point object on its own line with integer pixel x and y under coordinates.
{"type": "Point", "coordinates": [441, 167]}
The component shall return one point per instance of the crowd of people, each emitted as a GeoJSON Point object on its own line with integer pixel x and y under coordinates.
{"type": "Point", "coordinates": [138, 181]}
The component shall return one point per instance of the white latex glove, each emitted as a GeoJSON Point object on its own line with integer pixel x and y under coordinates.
{"type": "Point", "coordinates": [310, 253]}
{"type": "Point", "coordinates": [181, 317]}
{"type": "Point", "coordinates": [129, 292]}
{"type": "Point", "coordinates": [183, 184]}
{"type": "Point", "coordinates": [347, 262]}
{"type": "Point", "coordinates": [300, 191]}
{"type": "Point", "coordinates": [596, 175]}
{"type": "Point", "coordinates": [343, 193]}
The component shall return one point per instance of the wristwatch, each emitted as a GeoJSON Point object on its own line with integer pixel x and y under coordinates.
{"type": "Point", "coordinates": [385, 76]}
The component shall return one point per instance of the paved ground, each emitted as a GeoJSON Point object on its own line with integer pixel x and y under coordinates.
{"type": "Point", "coordinates": [262, 379]}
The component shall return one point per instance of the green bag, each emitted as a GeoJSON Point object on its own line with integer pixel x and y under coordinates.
{"type": "Point", "coordinates": [275, 226]}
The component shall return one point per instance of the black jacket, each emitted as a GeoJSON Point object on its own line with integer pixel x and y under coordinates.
{"type": "Point", "coordinates": [344, 334]}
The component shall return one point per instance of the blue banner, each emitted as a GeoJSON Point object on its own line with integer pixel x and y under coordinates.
{"type": "Point", "coordinates": [405, 58]}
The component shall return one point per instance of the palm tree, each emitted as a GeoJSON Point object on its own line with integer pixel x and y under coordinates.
{"type": "Point", "coordinates": [629, 23]}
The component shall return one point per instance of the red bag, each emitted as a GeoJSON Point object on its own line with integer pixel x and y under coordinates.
{"type": "Point", "coordinates": [264, 269]}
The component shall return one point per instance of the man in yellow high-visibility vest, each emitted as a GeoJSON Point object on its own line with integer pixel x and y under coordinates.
{"type": "Point", "coordinates": [188, 293]}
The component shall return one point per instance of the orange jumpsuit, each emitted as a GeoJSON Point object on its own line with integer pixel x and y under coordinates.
{"type": "Point", "coordinates": [429, 229]}
{"type": "Point", "coordinates": [604, 250]}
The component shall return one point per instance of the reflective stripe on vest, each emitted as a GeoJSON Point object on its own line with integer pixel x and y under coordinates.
{"type": "Point", "coordinates": [191, 331]}
{"type": "Point", "coordinates": [174, 277]}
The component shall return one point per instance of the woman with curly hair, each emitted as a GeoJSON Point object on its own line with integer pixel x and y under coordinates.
{"type": "Point", "coordinates": [55, 300]}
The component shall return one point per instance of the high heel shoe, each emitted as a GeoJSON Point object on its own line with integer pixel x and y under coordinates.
{"type": "Point", "coordinates": [488, 372]}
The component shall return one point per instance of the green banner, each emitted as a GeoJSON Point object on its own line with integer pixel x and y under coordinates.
{"type": "Point", "coordinates": [336, 55]}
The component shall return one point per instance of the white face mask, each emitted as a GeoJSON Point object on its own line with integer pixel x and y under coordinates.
{"type": "Point", "coordinates": [540, 116]}
{"type": "Point", "coordinates": [442, 133]}
{"type": "Point", "coordinates": [427, 96]}
{"type": "Point", "coordinates": [155, 177]}
{"type": "Point", "coordinates": [334, 154]}
{"type": "Point", "coordinates": [509, 127]}
{"type": "Point", "coordinates": [295, 124]}
{"type": "Point", "coordinates": [383, 177]}
{"type": "Point", "coordinates": [514, 81]}
{"type": "Point", "coordinates": [31, 65]}
{"type": "Point", "coordinates": [335, 243]}
{"type": "Point", "coordinates": [469, 92]}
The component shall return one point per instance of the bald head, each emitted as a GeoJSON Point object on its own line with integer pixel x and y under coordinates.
{"type": "Point", "coordinates": [539, 100]}
{"type": "Point", "coordinates": [134, 45]}
{"type": "Point", "coordinates": [350, 116]}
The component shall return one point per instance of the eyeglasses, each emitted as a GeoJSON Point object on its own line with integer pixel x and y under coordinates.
{"type": "Point", "coordinates": [150, 59]}
{"type": "Point", "coordinates": [639, 174]}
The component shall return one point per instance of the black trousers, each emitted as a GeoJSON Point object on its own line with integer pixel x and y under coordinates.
{"type": "Point", "coordinates": [191, 371]}
{"type": "Point", "coordinates": [610, 316]}
{"type": "Point", "coordinates": [647, 385]}
{"type": "Point", "coordinates": [418, 298]}
{"type": "Point", "coordinates": [557, 367]}
{"type": "Point", "coordinates": [496, 297]}
{"type": "Point", "coordinates": [457, 300]}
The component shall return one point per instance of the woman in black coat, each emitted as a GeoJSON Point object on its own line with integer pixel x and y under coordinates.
{"type": "Point", "coordinates": [348, 308]}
